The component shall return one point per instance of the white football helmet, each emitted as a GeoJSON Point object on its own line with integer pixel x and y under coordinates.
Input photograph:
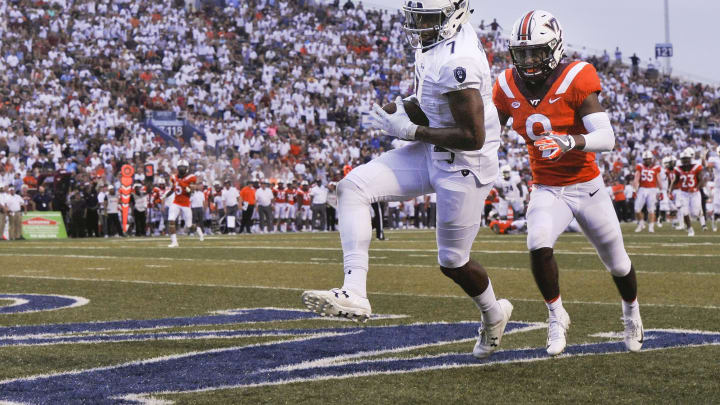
{"type": "Point", "coordinates": [647, 155]}
{"type": "Point", "coordinates": [182, 167]}
{"type": "Point", "coordinates": [687, 153]}
{"type": "Point", "coordinates": [536, 45]}
{"type": "Point", "coordinates": [430, 22]}
{"type": "Point", "coordinates": [666, 162]}
{"type": "Point", "coordinates": [505, 170]}
{"type": "Point", "coordinates": [717, 150]}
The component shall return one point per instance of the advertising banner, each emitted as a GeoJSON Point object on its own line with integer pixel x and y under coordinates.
{"type": "Point", "coordinates": [43, 225]}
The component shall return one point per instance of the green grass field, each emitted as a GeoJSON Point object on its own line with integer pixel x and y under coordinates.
{"type": "Point", "coordinates": [141, 279]}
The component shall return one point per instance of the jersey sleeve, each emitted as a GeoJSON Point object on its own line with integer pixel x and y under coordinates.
{"type": "Point", "coordinates": [499, 99]}
{"type": "Point", "coordinates": [192, 179]}
{"type": "Point", "coordinates": [585, 83]}
{"type": "Point", "coordinates": [638, 168]}
{"type": "Point", "coordinates": [459, 74]}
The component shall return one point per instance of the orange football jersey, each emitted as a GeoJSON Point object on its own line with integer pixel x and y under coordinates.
{"type": "Point", "coordinates": [648, 175]}
{"type": "Point", "coordinates": [182, 196]}
{"type": "Point", "coordinates": [689, 180]}
{"type": "Point", "coordinates": [570, 84]}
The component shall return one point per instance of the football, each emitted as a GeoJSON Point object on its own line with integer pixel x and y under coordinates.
{"type": "Point", "coordinates": [417, 116]}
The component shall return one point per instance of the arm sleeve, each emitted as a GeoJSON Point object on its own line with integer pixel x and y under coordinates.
{"type": "Point", "coordinates": [600, 136]}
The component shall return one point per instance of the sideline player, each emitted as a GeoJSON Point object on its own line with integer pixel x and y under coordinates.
{"type": "Point", "coordinates": [281, 206]}
{"type": "Point", "coordinates": [690, 178]}
{"type": "Point", "coordinates": [456, 157]}
{"type": "Point", "coordinates": [181, 186]}
{"type": "Point", "coordinates": [646, 184]}
{"type": "Point", "coordinates": [510, 193]}
{"type": "Point", "coordinates": [714, 164]}
{"type": "Point", "coordinates": [555, 107]}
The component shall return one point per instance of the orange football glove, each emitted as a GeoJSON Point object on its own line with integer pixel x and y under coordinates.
{"type": "Point", "coordinates": [553, 145]}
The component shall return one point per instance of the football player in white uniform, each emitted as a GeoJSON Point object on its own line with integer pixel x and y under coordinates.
{"type": "Point", "coordinates": [510, 193]}
{"type": "Point", "coordinates": [714, 164]}
{"type": "Point", "coordinates": [455, 157]}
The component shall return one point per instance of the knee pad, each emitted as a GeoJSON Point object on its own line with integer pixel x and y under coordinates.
{"type": "Point", "coordinates": [451, 258]}
{"type": "Point", "coordinates": [539, 238]}
{"type": "Point", "coordinates": [621, 266]}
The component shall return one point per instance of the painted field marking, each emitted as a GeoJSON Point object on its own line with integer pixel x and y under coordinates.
{"type": "Point", "coordinates": [330, 249]}
{"type": "Point", "coordinates": [312, 355]}
{"type": "Point", "coordinates": [315, 261]}
{"type": "Point", "coordinates": [262, 287]}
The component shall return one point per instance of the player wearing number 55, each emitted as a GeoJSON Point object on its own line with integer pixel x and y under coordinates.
{"type": "Point", "coordinates": [554, 106]}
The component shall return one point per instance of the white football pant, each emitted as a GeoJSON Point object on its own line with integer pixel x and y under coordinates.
{"type": "Point", "coordinates": [552, 208]}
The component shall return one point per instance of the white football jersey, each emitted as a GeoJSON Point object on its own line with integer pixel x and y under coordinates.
{"type": "Point", "coordinates": [509, 187]}
{"type": "Point", "coordinates": [457, 64]}
{"type": "Point", "coordinates": [716, 170]}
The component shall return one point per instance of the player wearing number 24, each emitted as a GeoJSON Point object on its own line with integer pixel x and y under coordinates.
{"type": "Point", "coordinates": [554, 106]}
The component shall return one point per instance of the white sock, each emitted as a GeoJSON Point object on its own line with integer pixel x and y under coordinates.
{"type": "Point", "coordinates": [702, 220]}
{"type": "Point", "coordinates": [651, 225]}
{"type": "Point", "coordinates": [631, 309]}
{"type": "Point", "coordinates": [555, 307]}
{"type": "Point", "coordinates": [489, 307]}
{"type": "Point", "coordinates": [355, 234]}
{"type": "Point", "coordinates": [199, 231]}
{"type": "Point", "coordinates": [173, 238]}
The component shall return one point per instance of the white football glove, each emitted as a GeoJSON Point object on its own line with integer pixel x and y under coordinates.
{"type": "Point", "coordinates": [554, 146]}
{"type": "Point", "coordinates": [397, 125]}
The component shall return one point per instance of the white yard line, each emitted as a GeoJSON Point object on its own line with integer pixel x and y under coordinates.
{"type": "Point", "coordinates": [400, 250]}
{"type": "Point", "coordinates": [400, 294]}
{"type": "Point", "coordinates": [325, 261]}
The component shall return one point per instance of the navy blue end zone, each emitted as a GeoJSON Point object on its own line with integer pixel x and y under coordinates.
{"type": "Point", "coordinates": [310, 354]}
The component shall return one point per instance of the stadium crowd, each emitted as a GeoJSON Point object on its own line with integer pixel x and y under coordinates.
{"type": "Point", "coordinates": [280, 90]}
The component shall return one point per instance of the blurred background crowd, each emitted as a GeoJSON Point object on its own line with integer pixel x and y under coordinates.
{"type": "Point", "coordinates": [279, 91]}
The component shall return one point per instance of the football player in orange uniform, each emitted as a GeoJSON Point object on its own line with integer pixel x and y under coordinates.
{"type": "Point", "coordinates": [181, 184]}
{"type": "Point", "coordinates": [555, 107]}
{"type": "Point", "coordinates": [690, 179]}
{"type": "Point", "coordinates": [646, 184]}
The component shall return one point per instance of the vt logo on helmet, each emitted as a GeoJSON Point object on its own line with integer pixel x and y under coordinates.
{"type": "Point", "coordinates": [430, 22]}
{"type": "Point", "coordinates": [536, 45]}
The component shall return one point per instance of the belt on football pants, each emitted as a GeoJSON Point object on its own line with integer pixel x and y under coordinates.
{"type": "Point", "coordinates": [440, 153]}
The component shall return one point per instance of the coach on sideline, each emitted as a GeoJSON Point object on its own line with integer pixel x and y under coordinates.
{"type": "Point", "coordinates": [15, 206]}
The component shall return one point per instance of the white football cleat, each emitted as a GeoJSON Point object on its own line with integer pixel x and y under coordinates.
{"type": "Point", "coordinates": [491, 335]}
{"type": "Point", "coordinates": [337, 302]}
{"type": "Point", "coordinates": [173, 245]}
{"type": "Point", "coordinates": [634, 333]}
{"type": "Point", "coordinates": [640, 227]}
{"type": "Point", "coordinates": [557, 334]}
{"type": "Point", "coordinates": [691, 232]}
